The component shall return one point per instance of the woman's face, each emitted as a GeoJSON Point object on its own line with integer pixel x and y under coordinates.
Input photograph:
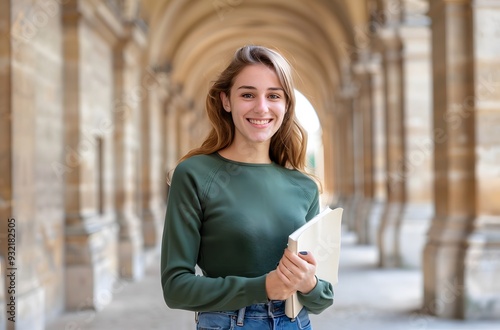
{"type": "Point", "coordinates": [257, 104]}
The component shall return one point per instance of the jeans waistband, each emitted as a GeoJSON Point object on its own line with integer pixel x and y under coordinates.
{"type": "Point", "coordinates": [273, 308]}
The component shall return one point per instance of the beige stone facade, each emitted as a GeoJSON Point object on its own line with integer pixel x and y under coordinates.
{"type": "Point", "coordinates": [100, 98]}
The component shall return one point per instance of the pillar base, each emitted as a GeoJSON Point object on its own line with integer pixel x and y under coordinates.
{"type": "Point", "coordinates": [413, 234]}
{"type": "Point", "coordinates": [374, 219]}
{"type": "Point", "coordinates": [388, 232]}
{"type": "Point", "coordinates": [482, 266]}
{"type": "Point", "coordinates": [362, 214]}
{"type": "Point", "coordinates": [444, 266]}
{"type": "Point", "coordinates": [131, 247]}
{"type": "Point", "coordinates": [30, 313]}
{"type": "Point", "coordinates": [152, 224]}
{"type": "Point", "coordinates": [91, 263]}
{"type": "Point", "coordinates": [131, 258]}
{"type": "Point", "coordinates": [349, 203]}
{"type": "Point", "coordinates": [443, 281]}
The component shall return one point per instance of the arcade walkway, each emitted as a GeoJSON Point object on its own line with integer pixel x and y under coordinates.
{"type": "Point", "coordinates": [366, 298]}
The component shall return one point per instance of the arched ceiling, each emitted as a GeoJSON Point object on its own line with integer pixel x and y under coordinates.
{"type": "Point", "coordinates": [197, 38]}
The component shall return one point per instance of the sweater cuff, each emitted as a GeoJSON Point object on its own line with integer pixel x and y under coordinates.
{"type": "Point", "coordinates": [256, 289]}
{"type": "Point", "coordinates": [314, 294]}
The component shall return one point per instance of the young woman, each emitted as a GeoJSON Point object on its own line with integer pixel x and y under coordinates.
{"type": "Point", "coordinates": [234, 201]}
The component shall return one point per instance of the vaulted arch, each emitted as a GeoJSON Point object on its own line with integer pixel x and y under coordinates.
{"type": "Point", "coordinates": [311, 34]}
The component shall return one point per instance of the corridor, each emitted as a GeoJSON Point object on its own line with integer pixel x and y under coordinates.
{"type": "Point", "coordinates": [367, 297]}
{"type": "Point", "coordinates": [99, 99]}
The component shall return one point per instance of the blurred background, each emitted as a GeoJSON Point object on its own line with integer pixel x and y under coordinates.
{"type": "Point", "coordinates": [100, 98]}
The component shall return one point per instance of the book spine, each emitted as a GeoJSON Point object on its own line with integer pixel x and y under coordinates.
{"type": "Point", "coordinates": [292, 246]}
{"type": "Point", "coordinates": [291, 304]}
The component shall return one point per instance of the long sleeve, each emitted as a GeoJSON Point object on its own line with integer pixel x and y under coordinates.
{"type": "Point", "coordinates": [232, 220]}
{"type": "Point", "coordinates": [182, 288]}
{"type": "Point", "coordinates": [319, 299]}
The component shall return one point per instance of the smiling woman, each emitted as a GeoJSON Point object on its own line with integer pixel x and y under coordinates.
{"type": "Point", "coordinates": [234, 200]}
{"type": "Point", "coordinates": [257, 105]}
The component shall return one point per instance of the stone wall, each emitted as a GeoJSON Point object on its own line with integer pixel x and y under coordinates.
{"type": "Point", "coordinates": [96, 121]}
{"type": "Point", "coordinates": [153, 164]}
{"type": "Point", "coordinates": [418, 157]}
{"type": "Point", "coordinates": [5, 152]}
{"type": "Point", "coordinates": [483, 257]}
{"type": "Point", "coordinates": [49, 187]}
{"type": "Point", "coordinates": [37, 132]}
{"type": "Point", "coordinates": [379, 160]}
{"type": "Point", "coordinates": [91, 226]}
{"type": "Point", "coordinates": [130, 90]}
{"type": "Point", "coordinates": [90, 125]}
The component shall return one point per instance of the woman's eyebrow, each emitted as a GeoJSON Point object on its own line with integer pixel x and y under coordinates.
{"type": "Point", "coordinates": [246, 87]}
{"type": "Point", "coordinates": [252, 87]}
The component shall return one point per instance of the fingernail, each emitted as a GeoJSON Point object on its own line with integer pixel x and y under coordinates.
{"type": "Point", "coordinates": [304, 253]}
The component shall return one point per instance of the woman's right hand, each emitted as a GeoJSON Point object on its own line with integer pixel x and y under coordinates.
{"type": "Point", "coordinates": [276, 289]}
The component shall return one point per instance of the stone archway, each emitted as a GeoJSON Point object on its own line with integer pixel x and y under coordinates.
{"type": "Point", "coordinates": [195, 39]}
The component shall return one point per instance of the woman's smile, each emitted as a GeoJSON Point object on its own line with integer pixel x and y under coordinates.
{"type": "Point", "coordinates": [257, 104]}
{"type": "Point", "coordinates": [260, 123]}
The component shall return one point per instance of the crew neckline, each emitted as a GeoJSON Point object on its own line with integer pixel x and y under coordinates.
{"type": "Point", "coordinates": [218, 155]}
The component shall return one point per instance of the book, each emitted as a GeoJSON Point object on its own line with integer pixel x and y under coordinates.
{"type": "Point", "coordinates": [320, 236]}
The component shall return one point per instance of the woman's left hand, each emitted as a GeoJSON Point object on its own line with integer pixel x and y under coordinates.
{"type": "Point", "coordinates": [298, 271]}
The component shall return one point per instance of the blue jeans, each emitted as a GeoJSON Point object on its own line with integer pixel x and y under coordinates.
{"type": "Point", "coordinates": [269, 316]}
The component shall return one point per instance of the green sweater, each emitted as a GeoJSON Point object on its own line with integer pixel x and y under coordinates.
{"type": "Point", "coordinates": [233, 220]}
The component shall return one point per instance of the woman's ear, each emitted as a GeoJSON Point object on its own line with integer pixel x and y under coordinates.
{"type": "Point", "coordinates": [225, 102]}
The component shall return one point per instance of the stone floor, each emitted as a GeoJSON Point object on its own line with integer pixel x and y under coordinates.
{"type": "Point", "coordinates": [365, 298]}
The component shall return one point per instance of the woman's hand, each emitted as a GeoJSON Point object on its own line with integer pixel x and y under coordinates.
{"type": "Point", "coordinates": [297, 272]}
{"type": "Point", "coordinates": [276, 289]}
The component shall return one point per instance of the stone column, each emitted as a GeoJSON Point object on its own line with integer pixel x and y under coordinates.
{"type": "Point", "coordinates": [418, 209]}
{"type": "Point", "coordinates": [171, 156]}
{"type": "Point", "coordinates": [379, 150]}
{"type": "Point", "coordinates": [128, 88]}
{"type": "Point", "coordinates": [482, 263]}
{"type": "Point", "coordinates": [395, 143]}
{"type": "Point", "coordinates": [6, 161]}
{"type": "Point", "coordinates": [345, 157]}
{"type": "Point", "coordinates": [31, 120]}
{"type": "Point", "coordinates": [454, 158]}
{"type": "Point", "coordinates": [357, 136]}
{"type": "Point", "coordinates": [152, 175]}
{"type": "Point", "coordinates": [364, 129]}
{"type": "Point", "coordinates": [338, 141]}
{"type": "Point", "coordinates": [177, 109]}
{"type": "Point", "coordinates": [91, 228]}
{"type": "Point", "coordinates": [182, 126]}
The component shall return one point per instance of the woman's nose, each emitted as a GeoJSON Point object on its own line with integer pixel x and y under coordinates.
{"type": "Point", "coordinates": [261, 105]}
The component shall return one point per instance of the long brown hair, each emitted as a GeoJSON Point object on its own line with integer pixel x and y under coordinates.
{"type": "Point", "coordinates": [288, 145]}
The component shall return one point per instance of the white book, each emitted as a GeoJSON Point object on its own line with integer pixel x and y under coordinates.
{"type": "Point", "coordinates": [320, 236]}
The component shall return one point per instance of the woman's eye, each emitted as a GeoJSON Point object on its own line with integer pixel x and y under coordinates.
{"type": "Point", "coordinates": [274, 96]}
{"type": "Point", "coordinates": [247, 95]}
